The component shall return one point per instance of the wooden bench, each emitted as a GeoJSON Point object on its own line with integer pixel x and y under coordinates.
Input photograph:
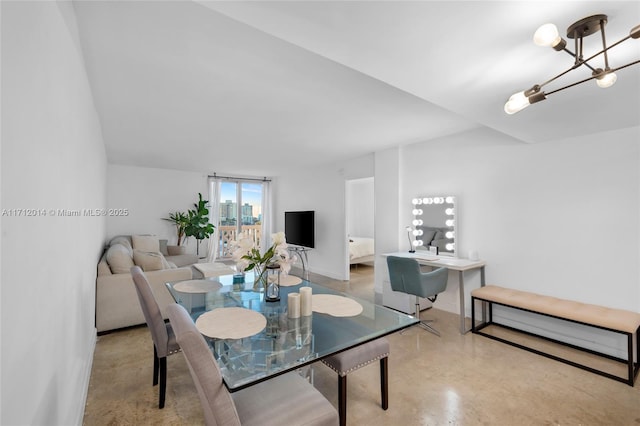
{"type": "Point", "coordinates": [619, 321]}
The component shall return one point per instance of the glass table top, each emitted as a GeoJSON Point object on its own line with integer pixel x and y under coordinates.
{"type": "Point", "coordinates": [285, 344]}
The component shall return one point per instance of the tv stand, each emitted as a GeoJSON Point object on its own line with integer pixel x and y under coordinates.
{"type": "Point", "coordinates": [302, 254]}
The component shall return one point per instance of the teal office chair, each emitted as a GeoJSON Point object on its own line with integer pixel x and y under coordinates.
{"type": "Point", "coordinates": [405, 276]}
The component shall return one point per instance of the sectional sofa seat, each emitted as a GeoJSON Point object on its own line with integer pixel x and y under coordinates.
{"type": "Point", "coordinates": [117, 304]}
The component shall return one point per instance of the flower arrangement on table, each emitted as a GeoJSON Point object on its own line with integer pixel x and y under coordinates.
{"type": "Point", "coordinates": [247, 256]}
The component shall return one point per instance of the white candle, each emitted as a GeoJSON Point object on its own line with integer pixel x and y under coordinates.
{"type": "Point", "coordinates": [305, 301]}
{"type": "Point", "coordinates": [293, 305]}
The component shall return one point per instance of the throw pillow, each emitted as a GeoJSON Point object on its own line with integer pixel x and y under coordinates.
{"type": "Point", "coordinates": [149, 243]}
{"type": "Point", "coordinates": [149, 260]}
{"type": "Point", "coordinates": [119, 259]}
{"type": "Point", "coordinates": [123, 240]}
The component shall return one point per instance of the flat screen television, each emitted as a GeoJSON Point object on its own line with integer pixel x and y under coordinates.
{"type": "Point", "coordinates": [299, 228]}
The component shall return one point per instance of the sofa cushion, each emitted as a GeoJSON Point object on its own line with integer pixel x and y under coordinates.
{"type": "Point", "coordinates": [150, 260]}
{"type": "Point", "coordinates": [119, 259]}
{"type": "Point", "coordinates": [148, 243]}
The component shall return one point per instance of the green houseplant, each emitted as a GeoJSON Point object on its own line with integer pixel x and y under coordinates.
{"type": "Point", "coordinates": [199, 226]}
{"type": "Point", "coordinates": [181, 221]}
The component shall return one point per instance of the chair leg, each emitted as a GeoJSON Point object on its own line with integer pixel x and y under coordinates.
{"type": "Point", "coordinates": [163, 381]}
{"type": "Point", "coordinates": [156, 366]}
{"type": "Point", "coordinates": [342, 399]}
{"type": "Point", "coordinates": [384, 382]}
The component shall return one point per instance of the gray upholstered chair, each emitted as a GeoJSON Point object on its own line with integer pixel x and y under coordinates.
{"type": "Point", "coordinates": [164, 341]}
{"type": "Point", "coordinates": [284, 400]}
{"type": "Point", "coordinates": [352, 359]}
{"type": "Point", "coordinates": [405, 276]}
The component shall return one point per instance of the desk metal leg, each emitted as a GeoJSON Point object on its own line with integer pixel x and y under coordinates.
{"type": "Point", "coordinates": [463, 328]}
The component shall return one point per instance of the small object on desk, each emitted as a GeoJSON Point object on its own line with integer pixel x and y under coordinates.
{"type": "Point", "coordinates": [306, 308]}
{"type": "Point", "coordinates": [197, 286]}
{"type": "Point", "coordinates": [231, 323]}
{"type": "Point", "coordinates": [238, 278]}
{"type": "Point", "coordinates": [293, 305]}
{"type": "Point", "coordinates": [433, 250]}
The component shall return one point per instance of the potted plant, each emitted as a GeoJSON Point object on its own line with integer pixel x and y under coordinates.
{"type": "Point", "coordinates": [199, 226]}
{"type": "Point", "coordinates": [181, 222]}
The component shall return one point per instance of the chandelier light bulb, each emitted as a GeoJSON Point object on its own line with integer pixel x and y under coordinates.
{"type": "Point", "coordinates": [607, 79]}
{"type": "Point", "coordinates": [517, 102]}
{"type": "Point", "coordinates": [547, 35]}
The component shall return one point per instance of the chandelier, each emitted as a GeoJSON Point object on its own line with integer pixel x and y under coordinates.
{"type": "Point", "coordinates": [547, 35]}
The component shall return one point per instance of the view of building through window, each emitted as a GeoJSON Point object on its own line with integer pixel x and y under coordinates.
{"type": "Point", "coordinates": [246, 195]}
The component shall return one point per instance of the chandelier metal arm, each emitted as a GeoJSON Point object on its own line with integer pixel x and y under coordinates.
{"type": "Point", "coordinates": [584, 62]}
{"type": "Point", "coordinates": [591, 78]}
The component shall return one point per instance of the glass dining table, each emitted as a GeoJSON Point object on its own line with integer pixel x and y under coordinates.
{"type": "Point", "coordinates": [284, 344]}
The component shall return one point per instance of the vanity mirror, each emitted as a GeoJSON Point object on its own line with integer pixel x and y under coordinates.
{"type": "Point", "coordinates": [434, 224]}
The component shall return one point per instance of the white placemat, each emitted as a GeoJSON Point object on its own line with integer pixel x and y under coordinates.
{"type": "Point", "coordinates": [289, 280]}
{"type": "Point", "coordinates": [231, 323]}
{"type": "Point", "coordinates": [337, 306]}
{"type": "Point", "coordinates": [197, 286]}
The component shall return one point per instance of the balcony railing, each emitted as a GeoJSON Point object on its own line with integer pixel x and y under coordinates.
{"type": "Point", "coordinates": [230, 233]}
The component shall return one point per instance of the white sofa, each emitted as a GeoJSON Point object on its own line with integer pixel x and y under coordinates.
{"type": "Point", "coordinates": [117, 304]}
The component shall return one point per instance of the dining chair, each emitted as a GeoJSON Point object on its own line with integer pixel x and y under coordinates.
{"type": "Point", "coordinates": [406, 277]}
{"type": "Point", "coordinates": [164, 341]}
{"type": "Point", "coordinates": [350, 360]}
{"type": "Point", "coordinates": [283, 400]}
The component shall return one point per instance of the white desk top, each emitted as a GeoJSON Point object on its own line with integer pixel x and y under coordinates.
{"type": "Point", "coordinates": [453, 263]}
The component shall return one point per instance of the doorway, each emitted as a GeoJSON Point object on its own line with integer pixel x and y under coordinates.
{"type": "Point", "coordinates": [359, 220]}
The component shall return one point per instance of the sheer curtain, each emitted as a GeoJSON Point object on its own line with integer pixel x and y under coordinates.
{"type": "Point", "coordinates": [214, 218]}
{"type": "Point", "coordinates": [267, 216]}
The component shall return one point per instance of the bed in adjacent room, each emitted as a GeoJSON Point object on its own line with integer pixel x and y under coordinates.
{"type": "Point", "coordinates": [360, 250]}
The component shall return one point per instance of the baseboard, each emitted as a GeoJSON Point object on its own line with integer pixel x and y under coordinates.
{"type": "Point", "coordinates": [86, 378]}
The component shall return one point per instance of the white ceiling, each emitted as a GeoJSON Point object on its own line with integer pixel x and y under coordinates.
{"type": "Point", "coordinates": [252, 87]}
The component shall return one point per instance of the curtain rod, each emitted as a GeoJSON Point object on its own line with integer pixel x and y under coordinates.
{"type": "Point", "coordinates": [215, 176]}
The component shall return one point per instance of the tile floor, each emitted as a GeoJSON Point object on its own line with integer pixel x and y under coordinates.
{"type": "Point", "coordinates": [448, 380]}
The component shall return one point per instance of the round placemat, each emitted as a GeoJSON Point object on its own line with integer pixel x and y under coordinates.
{"type": "Point", "coordinates": [231, 323]}
{"type": "Point", "coordinates": [196, 286]}
{"type": "Point", "coordinates": [289, 280]}
{"type": "Point", "coordinates": [334, 305]}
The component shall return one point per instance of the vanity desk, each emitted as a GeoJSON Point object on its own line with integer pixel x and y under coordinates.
{"type": "Point", "coordinates": [452, 263]}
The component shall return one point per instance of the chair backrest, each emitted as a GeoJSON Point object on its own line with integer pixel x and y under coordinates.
{"type": "Point", "coordinates": [151, 311]}
{"type": "Point", "coordinates": [405, 276]}
{"type": "Point", "coordinates": [217, 404]}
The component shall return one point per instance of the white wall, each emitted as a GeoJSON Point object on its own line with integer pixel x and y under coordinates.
{"type": "Point", "coordinates": [321, 190]}
{"type": "Point", "coordinates": [558, 218]}
{"type": "Point", "coordinates": [360, 207]}
{"type": "Point", "coordinates": [149, 195]}
{"type": "Point", "coordinates": [52, 158]}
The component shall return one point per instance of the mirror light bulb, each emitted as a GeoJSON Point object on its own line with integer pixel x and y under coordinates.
{"type": "Point", "coordinates": [449, 211]}
{"type": "Point", "coordinates": [450, 246]}
{"type": "Point", "coordinates": [419, 243]}
{"type": "Point", "coordinates": [415, 223]}
{"type": "Point", "coordinates": [414, 212]}
{"type": "Point", "coordinates": [449, 200]}
{"type": "Point", "coordinates": [547, 35]}
{"type": "Point", "coordinates": [449, 222]}
{"type": "Point", "coordinates": [428, 200]}
{"type": "Point", "coordinates": [414, 201]}
{"type": "Point", "coordinates": [449, 234]}
{"type": "Point", "coordinates": [415, 243]}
